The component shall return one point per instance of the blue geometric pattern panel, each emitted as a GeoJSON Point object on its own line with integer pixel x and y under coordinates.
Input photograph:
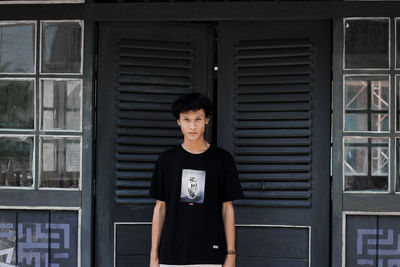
{"type": "Point", "coordinates": [38, 238]}
{"type": "Point", "coordinates": [373, 241]}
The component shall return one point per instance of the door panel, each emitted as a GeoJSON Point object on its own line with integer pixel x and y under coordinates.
{"type": "Point", "coordinates": [278, 128]}
{"type": "Point", "coordinates": [142, 69]}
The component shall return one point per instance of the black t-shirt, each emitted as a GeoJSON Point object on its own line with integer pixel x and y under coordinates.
{"type": "Point", "coordinates": [194, 186]}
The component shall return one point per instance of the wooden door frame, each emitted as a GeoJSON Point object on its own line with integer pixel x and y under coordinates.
{"type": "Point", "coordinates": [200, 11]}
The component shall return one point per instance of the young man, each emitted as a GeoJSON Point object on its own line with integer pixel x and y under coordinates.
{"type": "Point", "coordinates": [194, 185]}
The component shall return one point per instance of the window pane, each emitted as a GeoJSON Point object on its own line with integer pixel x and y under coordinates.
{"type": "Point", "coordinates": [380, 122]}
{"type": "Point", "coordinates": [356, 122]}
{"type": "Point", "coordinates": [366, 43]}
{"type": "Point", "coordinates": [366, 103]}
{"type": "Point", "coordinates": [17, 104]}
{"type": "Point", "coordinates": [398, 165]}
{"type": "Point", "coordinates": [380, 94]}
{"type": "Point", "coordinates": [356, 158]}
{"type": "Point", "coordinates": [366, 163]}
{"type": "Point", "coordinates": [356, 94]}
{"type": "Point", "coordinates": [17, 48]}
{"type": "Point", "coordinates": [62, 44]}
{"type": "Point", "coordinates": [397, 43]}
{"type": "Point", "coordinates": [398, 101]}
{"type": "Point", "coordinates": [380, 161]}
{"type": "Point", "coordinates": [60, 162]}
{"type": "Point", "coordinates": [16, 157]}
{"type": "Point", "coordinates": [61, 104]}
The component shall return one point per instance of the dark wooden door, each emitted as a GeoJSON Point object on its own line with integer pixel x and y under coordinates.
{"type": "Point", "coordinates": [143, 67]}
{"type": "Point", "coordinates": [274, 116]}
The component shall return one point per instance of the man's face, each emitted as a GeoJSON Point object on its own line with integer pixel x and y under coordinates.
{"type": "Point", "coordinates": [193, 124]}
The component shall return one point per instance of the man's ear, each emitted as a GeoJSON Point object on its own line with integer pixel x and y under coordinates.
{"type": "Point", "coordinates": [177, 121]}
{"type": "Point", "coordinates": [207, 120]}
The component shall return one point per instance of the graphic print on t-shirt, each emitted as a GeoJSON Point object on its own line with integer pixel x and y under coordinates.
{"type": "Point", "coordinates": [193, 184]}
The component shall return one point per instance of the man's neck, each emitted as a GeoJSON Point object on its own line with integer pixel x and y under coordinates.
{"type": "Point", "coordinates": [195, 147]}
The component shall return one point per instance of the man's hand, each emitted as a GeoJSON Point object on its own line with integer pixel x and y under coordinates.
{"type": "Point", "coordinates": [228, 217]}
{"type": "Point", "coordinates": [156, 229]}
{"type": "Point", "coordinates": [230, 260]}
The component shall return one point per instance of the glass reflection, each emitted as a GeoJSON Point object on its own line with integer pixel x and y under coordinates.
{"type": "Point", "coordinates": [397, 43]}
{"type": "Point", "coordinates": [61, 104]}
{"type": "Point", "coordinates": [366, 104]}
{"type": "Point", "coordinates": [398, 165]}
{"type": "Point", "coordinates": [17, 104]}
{"type": "Point", "coordinates": [366, 43]}
{"type": "Point", "coordinates": [16, 157]}
{"type": "Point", "coordinates": [398, 102]}
{"type": "Point", "coordinates": [62, 44]}
{"type": "Point", "coordinates": [17, 48]}
{"type": "Point", "coordinates": [366, 163]}
{"type": "Point", "coordinates": [380, 161]}
{"type": "Point", "coordinates": [380, 122]}
{"type": "Point", "coordinates": [356, 122]}
{"type": "Point", "coordinates": [356, 158]}
{"type": "Point", "coordinates": [60, 162]}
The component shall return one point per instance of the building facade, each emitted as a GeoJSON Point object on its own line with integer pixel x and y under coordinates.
{"type": "Point", "coordinates": [306, 98]}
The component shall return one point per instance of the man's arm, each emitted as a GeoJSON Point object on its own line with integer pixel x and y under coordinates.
{"type": "Point", "coordinates": [156, 229]}
{"type": "Point", "coordinates": [228, 216]}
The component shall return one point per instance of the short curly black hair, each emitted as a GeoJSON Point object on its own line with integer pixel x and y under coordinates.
{"type": "Point", "coordinates": [191, 102]}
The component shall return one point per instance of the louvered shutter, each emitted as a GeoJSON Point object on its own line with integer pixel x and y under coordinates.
{"type": "Point", "coordinates": [152, 64]}
{"type": "Point", "coordinates": [272, 121]}
{"type": "Point", "coordinates": [268, 78]}
{"type": "Point", "coordinates": [151, 75]}
{"type": "Point", "coordinates": [274, 81]}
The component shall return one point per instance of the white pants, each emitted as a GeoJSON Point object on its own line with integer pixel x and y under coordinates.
{"type": "Point", "coordinates": [192, 265]}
